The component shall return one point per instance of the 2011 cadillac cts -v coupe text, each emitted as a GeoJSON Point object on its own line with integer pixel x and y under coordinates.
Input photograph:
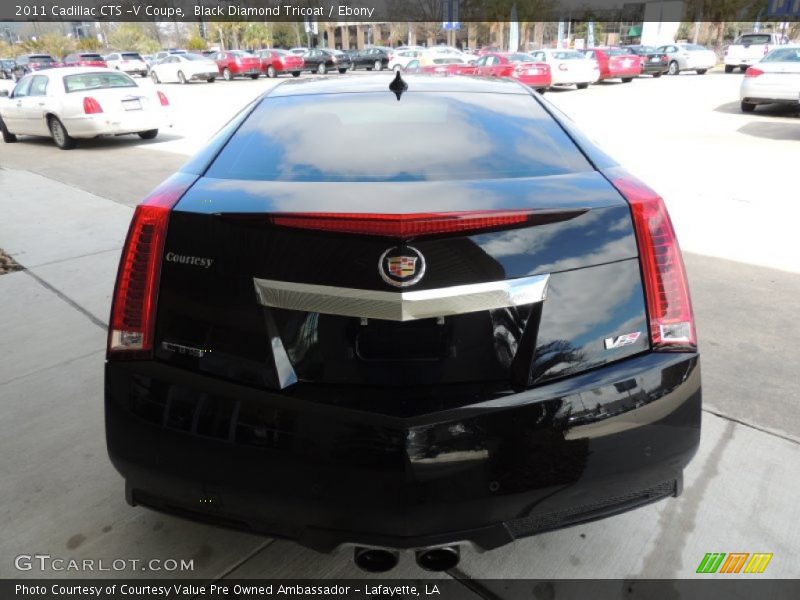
{"type": "Point", "coordinates": [401, 319]}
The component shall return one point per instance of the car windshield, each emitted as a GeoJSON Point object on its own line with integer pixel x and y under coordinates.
{"type": "Point", "coordinates": [454, 136]}
{"type": "Point", "coordinates": [447, 61]}
{"type": "Point", "coordinates": [783, 55]}
{"type": "Point", "coordinates": [567, 55]}
{"type": "Point", "coordinates": [130, 56]}
{"type": "Point", "coordinates": [755, 38]}
{"type": "Point", "coordinates": [96, 81]}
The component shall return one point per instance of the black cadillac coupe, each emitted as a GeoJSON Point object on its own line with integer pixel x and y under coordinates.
{"type": "Point", "coordinates": [470, 327]}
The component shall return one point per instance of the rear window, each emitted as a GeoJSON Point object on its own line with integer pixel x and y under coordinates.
{"type": "Point", "coordinates": [194, 57]}
{"type": "Point", "coordinates": [568, 55]}
{"type": "Point", "coordinates": [753, 39]}
{"type": "Point", "coordinates": [618, 52]}
{"type": "Point", "coordinates": [41, 58]}
{"type": "Point", "coordinates": [519, 57]}
{"type": "Point", "coordinates": [96, 81]}
{"type": "Point", "coordinates": [693, 47]}
{"type": "Point", "coordinates": [131, 56]}
{"type": "Point", "coordinates": [373, 137]}
{"type": "Point", "coordinates": [90, 57]}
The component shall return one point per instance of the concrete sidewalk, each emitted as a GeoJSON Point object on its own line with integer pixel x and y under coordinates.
{"type": "Point", "coordinates": [61, 496]}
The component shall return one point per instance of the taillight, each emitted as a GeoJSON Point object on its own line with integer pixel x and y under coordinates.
{"type": "Point", "coordinates": [162, 97]}
{"type": "Point", "coordinates": [415, 225]}
{"type": "Point", "coordinates": [669, 306]}
{"type": "Point", "coordinates": [133, 309]}
{"type": "Point", "coordinates": [753, 72]}
{"type": "Point", "coordinates": [91, 106]}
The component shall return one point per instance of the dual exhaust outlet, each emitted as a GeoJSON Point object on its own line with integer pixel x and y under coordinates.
{"type": "Point", "coordinates": [381, 560]}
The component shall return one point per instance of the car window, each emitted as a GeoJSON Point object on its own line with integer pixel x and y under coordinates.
{"type": "Point", "coordinates": [96, 81]}
{"type": "Point", "coordinates": [590, 54]}
{"type": "Point", "coordinates": [128, 56]}
{"type": "Point", "coordinates": [413, 64]}
{"type": "Point", "coordinates": [467, 136]}
{"type": "Point", "coordinates": [783, 55]}
{"type": "Point", "coordinates": [22, 88]}
{"type": "Point", "coordinates": [754, 38]}
{"type": "Point", "coordinates": [38, 86]}
{"type": "Point", "coordinates": [568, 55]}
{"type": "Point", "coordinates": [693, 47]}
{"type": "Point", "coordinates": [112, 57]}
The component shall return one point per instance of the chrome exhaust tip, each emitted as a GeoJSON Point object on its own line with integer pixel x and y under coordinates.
{"type": "Point", "coordinates": [375, 560]}
{"type": "Point", "coordinates": [438, 559]}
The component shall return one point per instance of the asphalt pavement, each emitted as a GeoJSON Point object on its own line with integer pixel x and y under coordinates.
{"type": "Point", "coordinates": [729, 180]}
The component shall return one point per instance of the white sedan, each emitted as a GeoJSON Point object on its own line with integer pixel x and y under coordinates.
{"type": "Point", "coordinates": [81, 102]}
{"type": "Point", "coordinates": [183, 68]}
{"type": "Point", "coordinates": [569, 67]}
{"type": "Point", "coordinates": [775, 79]}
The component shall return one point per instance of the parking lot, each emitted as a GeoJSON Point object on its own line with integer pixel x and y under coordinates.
{"type": "Point", "coordinates": [730, 182]}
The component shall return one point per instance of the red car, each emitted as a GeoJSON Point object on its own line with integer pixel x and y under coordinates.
{"type": "Point", "coordinates": [517, 65]}
{"type": "Point", "coordinates": [236, 63]}
{"type": "Point", "coordinates": [275, 62]}
{"type": "Point", "coordinates": [616, 63]}
{"type": "Point", "coordinates": [84, 59]}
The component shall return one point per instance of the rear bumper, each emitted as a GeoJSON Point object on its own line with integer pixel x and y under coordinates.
{"type": "Point", "coordinates": [90, 126]}
{"type": "Point", "coordinates": [487, 473]}
{"type": "Point", "coordinates": [649, 68]}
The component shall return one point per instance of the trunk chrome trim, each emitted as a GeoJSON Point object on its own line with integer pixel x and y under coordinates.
{"type": "Point", "coordinates": [401, 306]}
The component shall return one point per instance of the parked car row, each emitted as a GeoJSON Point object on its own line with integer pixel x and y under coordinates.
{"type": "Point", "coordinates": [551, 67]}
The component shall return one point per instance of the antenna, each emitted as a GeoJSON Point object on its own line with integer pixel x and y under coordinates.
{"type": "Point", "coordinates": [398, 86]}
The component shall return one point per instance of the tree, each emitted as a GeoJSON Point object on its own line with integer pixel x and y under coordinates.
{"type": "Point", "coordinates": [89, 44]}
{"type": "Point", "coordinates": [257, 35]}
{"type": "Point", "coordinates": [195, 42]}
{"type": "Point", "coordinates": [56, 45]}
{"type": "Point", "coordinates": [131, 36]}
{"type": "Point", "coordinates": [283, 35]}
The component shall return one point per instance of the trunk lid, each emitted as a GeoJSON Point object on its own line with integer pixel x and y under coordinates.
{"type": "Point", "coordinates": [224, 255]}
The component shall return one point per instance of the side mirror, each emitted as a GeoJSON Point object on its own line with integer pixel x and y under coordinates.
{"type": "Point", "coordinates": [4, 94]}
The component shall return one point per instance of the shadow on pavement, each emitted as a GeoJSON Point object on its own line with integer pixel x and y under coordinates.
{"type": "Point", "coordinates": [772, 130]}
{"type": "Point", "coordinates": [768, 110]}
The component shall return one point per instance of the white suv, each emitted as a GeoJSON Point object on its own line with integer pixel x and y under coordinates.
{"type": "Point", "coordinates": [127, 62]}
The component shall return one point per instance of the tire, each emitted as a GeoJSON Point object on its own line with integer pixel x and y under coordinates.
{"type": "Point", "coordinates": [701, 71]}
{"type": "Point", "coordinates": [211, 79]}
{"type": "Point", "coordinates": [226, 74]}
{"type": "Point", "coordinates": [627, 79]}
{"type": "Point", "coordinates": [154, 77]}
{"type": "Point", "coordinates": [8, 137]}
{"type": "Point", "coordinates": [657, 74]}
{"type": "Point", "coordinates": [61, 138]}
{"type": "Point", "coordinates": [378, 66]}
{"type": "Point", "coordinates": [295, 73]}
{"type": "Point", "coordinates": [541, 90]}
{"type": "Point", "coordinates": [182, 78]}
{"type": "Point", "coordinates": [747, 107]}
{"type": "Point", "coordinates": [256, 76]}
{"type": "Point", "coordinates": [322, 69]}
{"type": "Point", "coordinates": [674, 69]}
{"type": "Point", "coordinates": [342, 71]}
{"type": "Point", "coordinates": [149, 134]}
{"type": "Point", "coordinates": [582, 86]}
{"type": "Point", "coordinates": [729, 68]}
{"type": "Point", "coordinates": [271, 72]}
